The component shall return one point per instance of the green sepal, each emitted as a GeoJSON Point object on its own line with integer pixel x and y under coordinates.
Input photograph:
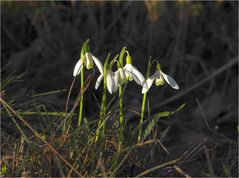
{"type": "Point", "coordinates": [149, 67]}
{"type": "Point", "coordinates": [85, 48]}
{"type": "Point", "coordinates": [88, 60]}
{"type": "Point", "coordinates": [106, 64]}
{"type": "Point", "coordinates": [121, 56]}
{"type": "Point", "coordinates": [113, 61]}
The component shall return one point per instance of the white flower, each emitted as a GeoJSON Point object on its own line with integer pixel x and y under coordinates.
{"type": "Point", "coordinates": [88, 63]}
{"type": "Point", "coordinates": [111, 81]}
{"type": "Point", "coordinates": [159, 78]}
{"type": "Point", "coordinates": [120, 74]}
{"type": "Point", "coordinates": [132, 73]}
{"type": "Point", "coordinates": [114, 79]}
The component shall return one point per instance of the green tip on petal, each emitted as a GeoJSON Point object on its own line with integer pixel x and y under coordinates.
{"type": "Point", "coordinates": [130, 78]}
{"type": "Point", "coordinates": [89, 66]}
{"type": "Point", "coordinates": [160, 82]}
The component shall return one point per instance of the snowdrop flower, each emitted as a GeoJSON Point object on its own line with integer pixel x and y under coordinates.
{"type": "Point", "coordinates": [132, 73]}
{"type": "Point", "coordinates": [111, 78]}
{"type": "Point", "coordinates": [124, 75]}
{"type": "Point", "coordinates": [159, 78]}
{"type": "Point", "coordinates": [114, 79]}
{"type": "Point", "coordinates": [111, 81]}
{"type": "Point", "coordinates": [88, 61]}
{"type": "Point", "coordinates": [120, 75]}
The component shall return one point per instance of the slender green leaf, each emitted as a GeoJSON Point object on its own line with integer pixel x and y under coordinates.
{"type": "Point", "coordinates": [155, 118]}
{"type": "Point", "coordinates": [59, 114]}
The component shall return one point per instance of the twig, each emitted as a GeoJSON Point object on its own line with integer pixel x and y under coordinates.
{"type": "Point", "coordinates": [186, 155]}
{"type": "Point", "coordinates": [158, 167]}
{"type": "Point", "coordinates": [88, 81]}
{"type": "Point", "coordinates": [209, 162]}
{"type": "Point", "coordinates": [69, 94]}
{"type": "Point", "coordinates": [179, 170]}
{"type": "Point", "coordinates": [208, 127]}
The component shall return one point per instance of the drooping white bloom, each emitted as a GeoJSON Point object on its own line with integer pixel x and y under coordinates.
{"type": "Point", "coordinates": [132, 73]}
{"type": "Point", "coordinates": [121, 76]}
{"type": "Point", "coordinates": [125, 75]}
{"type": "Point", "coordinates": [159, 76]}
{"type": "Point", "coordinates": [111, 81]}
{"type": "Point", "coordinates": [87, 61]}
{"type": "Point", "coordinates": [114, 79]}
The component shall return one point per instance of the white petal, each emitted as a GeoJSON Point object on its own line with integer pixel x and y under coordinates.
{"type": "Point", "coordinates": [116, 78]}
{"type": "Point", "coordinates": [110, 81]}
{"type": "Point", "coordinates": [121, 73]}
{"type": "Point", "coordinates": [128, 67]}
{"type": "Point", "coordinates": [144, 90]}
{"type": "Point", "coordinates": [88, 60]}
{"type": "Point", "coordinates": [78, 68]}
{"type": "Point", "coordinates": [133, 75]}
{"type": "Point", "coordinates": [149, 82]}
{"type": "Point", "coordinates": [98, 81]}
{"type": "Point", "coordinates": [157, 74]}
{"type": "Point", "coordinates": [159, 79]}
{"type": "Point", "coordinates": [170, 81]}
{"type": "Point", "coordinates": [139, 75]}
{"type": "Point", "coordinates": [98, 64]}
{"type": "Point", "coordinates": [115, 81]}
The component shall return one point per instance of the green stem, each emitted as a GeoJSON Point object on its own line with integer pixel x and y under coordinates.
{"type": "Point", "coordinates": [103, 107]}
{"type": "Point", "coordinates": [85, 48]}
{"type": "Point", "coordinates": [144, 102]}
{"type": "Point", "coordinates": [102, 113]}
{"type": "Point", "coordinates": [120, 65]}
{"type": "Point", "coordinates": [121, 115]}
{"type": "Point", "coordinates": [103, 103]}
{"type": "Point", "coordinates": [142, 116]}
{"type": "Point", "coordinates": [81, 97]}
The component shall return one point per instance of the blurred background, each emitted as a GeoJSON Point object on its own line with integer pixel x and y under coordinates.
{"type": "Point", "coordinates": [195, 42]}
